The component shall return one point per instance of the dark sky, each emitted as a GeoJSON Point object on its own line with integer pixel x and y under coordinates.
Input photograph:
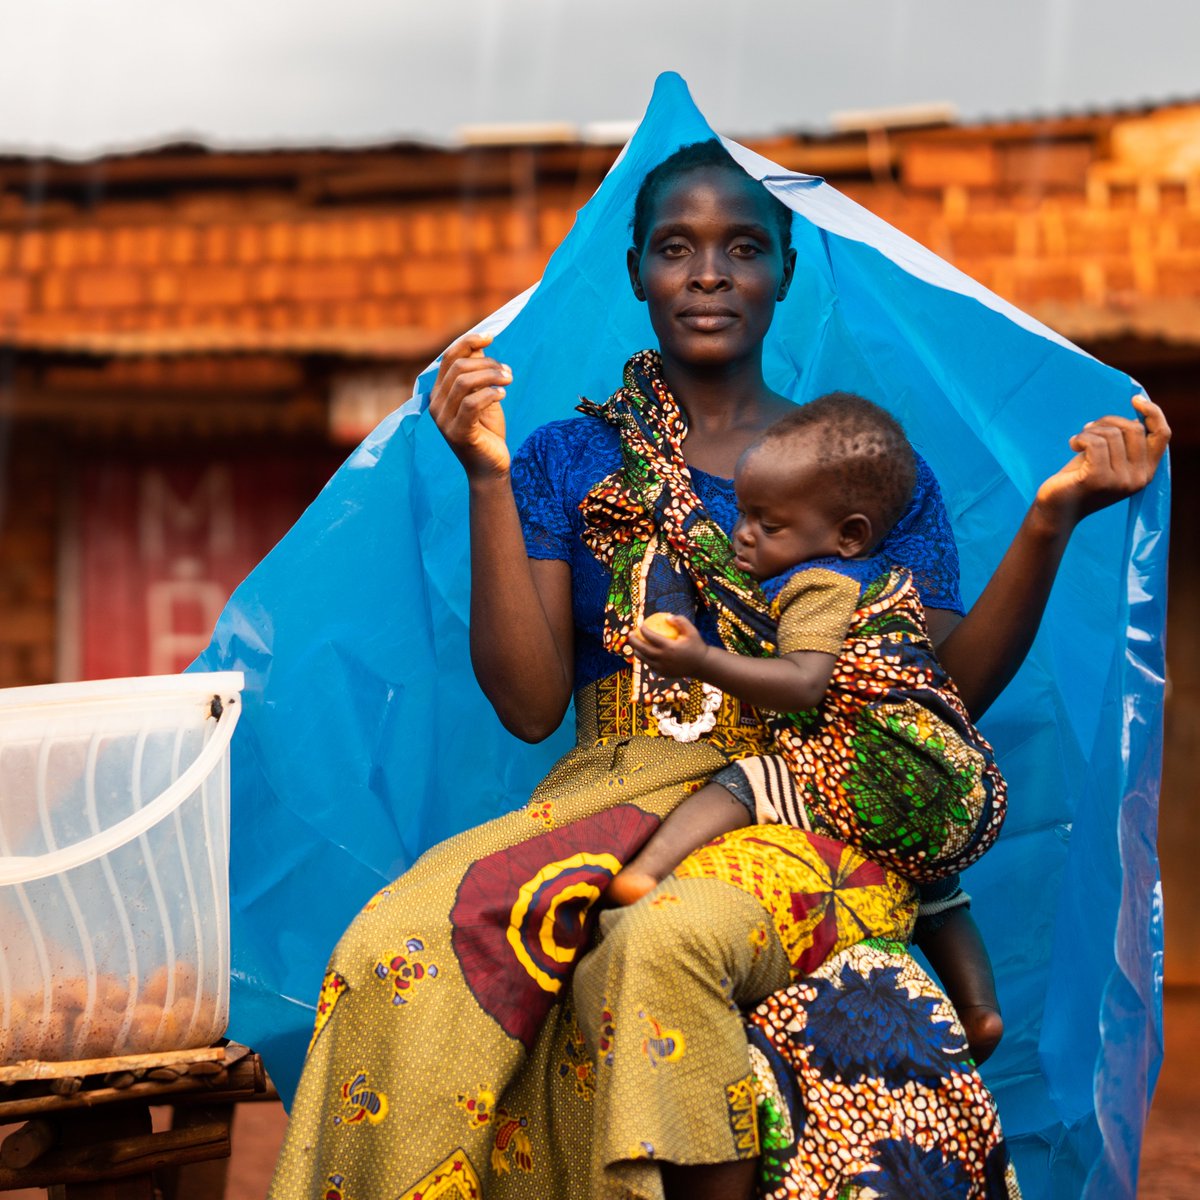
{"type": "Point", "coordinates": [82, 75]}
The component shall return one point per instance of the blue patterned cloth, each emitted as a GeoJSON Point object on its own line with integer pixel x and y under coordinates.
{"type": "Point", "coordinates": [561, 461]}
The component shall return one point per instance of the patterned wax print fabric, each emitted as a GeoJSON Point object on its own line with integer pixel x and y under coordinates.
{"type": "Point", "coordinates": [455, 1054]}
{"type": "Point", "coordinates": [865, 1088]}
{"type": "Point", "coordinates": [365, 740]}
{"type": "Point", "coordinates": [889, 761]}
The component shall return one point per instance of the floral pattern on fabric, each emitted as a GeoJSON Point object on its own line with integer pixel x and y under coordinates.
{"type": "Point", "coordinates": [661, 1045]}
{"type": "Point", "coordinates": [866, 1088]}
{"type": "Point", "coordinates": [821, 895]}
{"type": "Point", "coordinates": [403, 972]}
{"type": "Point", "coordinates": [890, 761]}
{"type": "Point", "coordinates": [332, 986]}
{"type": "Point", "coordinates": [361, 1102]}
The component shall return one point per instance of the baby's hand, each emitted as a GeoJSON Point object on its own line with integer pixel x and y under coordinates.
{"type": "Point", "coordinates": [669, 644]}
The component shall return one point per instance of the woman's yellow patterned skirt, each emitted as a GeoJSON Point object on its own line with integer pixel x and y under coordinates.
{"type": "Point", "coordinates": [481, 1033]}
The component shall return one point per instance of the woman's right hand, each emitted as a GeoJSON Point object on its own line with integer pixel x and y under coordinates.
{"type": "Point", "coordinates": [465, 406]}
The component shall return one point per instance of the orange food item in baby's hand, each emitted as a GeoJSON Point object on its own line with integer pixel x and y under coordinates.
{"type": "Point", "coordinates": [661, 623]}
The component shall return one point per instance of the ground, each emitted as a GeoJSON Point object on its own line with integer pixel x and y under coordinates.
{"type": "Point", "coordinates": [1170, 1153]}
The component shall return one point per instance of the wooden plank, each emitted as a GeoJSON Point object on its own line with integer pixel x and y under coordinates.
{"type": "Point", "coordinates": [26, 1145]}
{"type": "Point", "coordinates": [121, 1158]}
{"type": "Point", "coordinates": [246, 1081]}
{"type": "Point", "coordinates": [37, 1069]}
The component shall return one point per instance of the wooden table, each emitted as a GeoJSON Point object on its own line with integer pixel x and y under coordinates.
{"type": "Point", "coordinates": [87, 1132]}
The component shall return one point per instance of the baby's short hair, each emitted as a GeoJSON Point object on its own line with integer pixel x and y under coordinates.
{"type": "Point", "coordinates": [867, 459]}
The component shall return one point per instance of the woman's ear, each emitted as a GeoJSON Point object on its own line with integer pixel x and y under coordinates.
{"type": "Point", "coordinates": [789, 269]}
{"type": "Point", "coordinates": [855, 535]}
{"type": "Point", "coordinates": [632, 259]}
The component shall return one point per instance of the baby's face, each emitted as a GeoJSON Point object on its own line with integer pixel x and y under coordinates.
{"type": "Point", "coordinates": [782, 520]}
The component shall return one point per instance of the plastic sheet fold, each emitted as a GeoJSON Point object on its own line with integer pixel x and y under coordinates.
{"type": "Point", "coordinates": [365, 739]}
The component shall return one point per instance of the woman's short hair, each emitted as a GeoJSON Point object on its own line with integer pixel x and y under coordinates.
{"type": "Point", "coordinates": [695, 157]}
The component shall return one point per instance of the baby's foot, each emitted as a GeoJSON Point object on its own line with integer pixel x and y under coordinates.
{"type": "Point", "coordinates": [628, 887]}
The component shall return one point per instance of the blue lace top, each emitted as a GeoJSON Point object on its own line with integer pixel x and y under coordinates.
{"type": "Point", "coordinates": [560, 462]}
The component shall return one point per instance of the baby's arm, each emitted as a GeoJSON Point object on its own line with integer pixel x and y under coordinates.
{"type": "Point", "coordinates": [790, 683]}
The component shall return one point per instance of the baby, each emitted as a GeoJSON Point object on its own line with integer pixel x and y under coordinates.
{"type": "Point", "coordinates": [875, 746]}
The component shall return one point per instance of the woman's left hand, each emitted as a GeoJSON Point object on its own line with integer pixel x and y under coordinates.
{"type": "Point", "coordinates": [669, 644]}
{"type": "Point", "coordinates": [1115, 457]}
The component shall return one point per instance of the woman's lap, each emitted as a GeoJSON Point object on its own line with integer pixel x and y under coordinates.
{"type": "Point", "coordinates": [443, 1051]}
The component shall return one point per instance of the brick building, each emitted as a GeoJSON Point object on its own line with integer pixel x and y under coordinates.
{"type": "Point", "coordinates": [191, 340]}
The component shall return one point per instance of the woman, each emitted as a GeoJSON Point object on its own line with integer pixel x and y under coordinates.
{"type": "Point", "coordinates": [443, 1062]}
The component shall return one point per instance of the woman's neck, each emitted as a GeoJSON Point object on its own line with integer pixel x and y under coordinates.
{"type": "Point", "coordinates": [726, 409]}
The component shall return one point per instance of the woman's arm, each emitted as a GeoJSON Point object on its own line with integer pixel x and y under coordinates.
{"type": "Point", "coordinates": [1115, 457]}
{"type": "Point", "coordinates": [521, 625]}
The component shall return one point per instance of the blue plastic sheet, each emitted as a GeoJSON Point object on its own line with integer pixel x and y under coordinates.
{"type": "Point", "coordinates": [365, 738]}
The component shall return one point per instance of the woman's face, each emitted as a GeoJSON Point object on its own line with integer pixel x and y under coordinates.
{"type": "Point", "coordinates": [712, 268]}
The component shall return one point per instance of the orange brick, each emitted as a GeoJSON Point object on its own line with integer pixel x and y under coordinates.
{"type": "Point", "coordinates": [14, 294]}
{"type": "Point", "coordinates": [248, 243]}
{"type": "Point", "coordinates": [54, 291]}
{"type": "Point", "coordinates": [1179, 277]}
{"type": "Point", "coordinates": [368, 314]}
{"type": "Point", "coordinates": [518, 230]}
{"type": "Point", "coordinates": [217, 243]}
{"type": "Point", "coordinates": [164, 287]}
{"type": "Point", "coordinates": [269, 283]}
{"type": "Point", "coordinates": [149, 242]}
{"type": "Point", "coordinates": [437, 276]}
{"type": "Point", "coordinates": [122, 247]}
{"type": "Point", "coordinates": [310, 316]}
{"type": "Point", "coordinates": [493, 298]}
{"type": "Point", "coordinates": [308, 241]}
{"type": "Point", "coordinates": [452, 230]}
{"type": "Point", "coordinates": [64, 248]}
{"type": "Point", "coordinates": [390, 232]}
{"type": "Point", "coordinates": [280, 236]}
{"type": "Point", "coordinates": [31, 250]}
{"type": "Point", "coordinates": [482, 233]}
{"type": "Point", "coordinates": [553, 225]}
{"type": "Point", "coordinates": [511, 273]}
{"type": "Point", "coordinates": [92, 245]}
{"type": "Point", "coordinates": [433, 313]}
{"type": "Point", "coordinates": [422, 233]}
{"type": "Point", "coordinates": [1039, 282]}
{"type": "Point", "coordinates": [183, 244]}
{"type": "Point", "coordinates": [99, 289]}
{"type": "Point", "coordinates": [213, 285]}
{"type": "Point", "coordinates": [1187, 231]}
{"type": "Point", "coordinates": [326, 281]}
{"type": "Point", "coordinates": [334, 240]}
{"type": "Point", "coordinates": [982, 238]}
{"type": "Point", "coordinates": [384, 279]}
{"type": "Point", "coordinates": [361, 238]}
{"type": "Point", "coordinates": [1096, 232]}
{"type": "Point", "coordinates": [400, 313]}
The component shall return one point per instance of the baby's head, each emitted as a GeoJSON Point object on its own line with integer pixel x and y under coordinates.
{"type": "Point", "coordinates": [829, 479]}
